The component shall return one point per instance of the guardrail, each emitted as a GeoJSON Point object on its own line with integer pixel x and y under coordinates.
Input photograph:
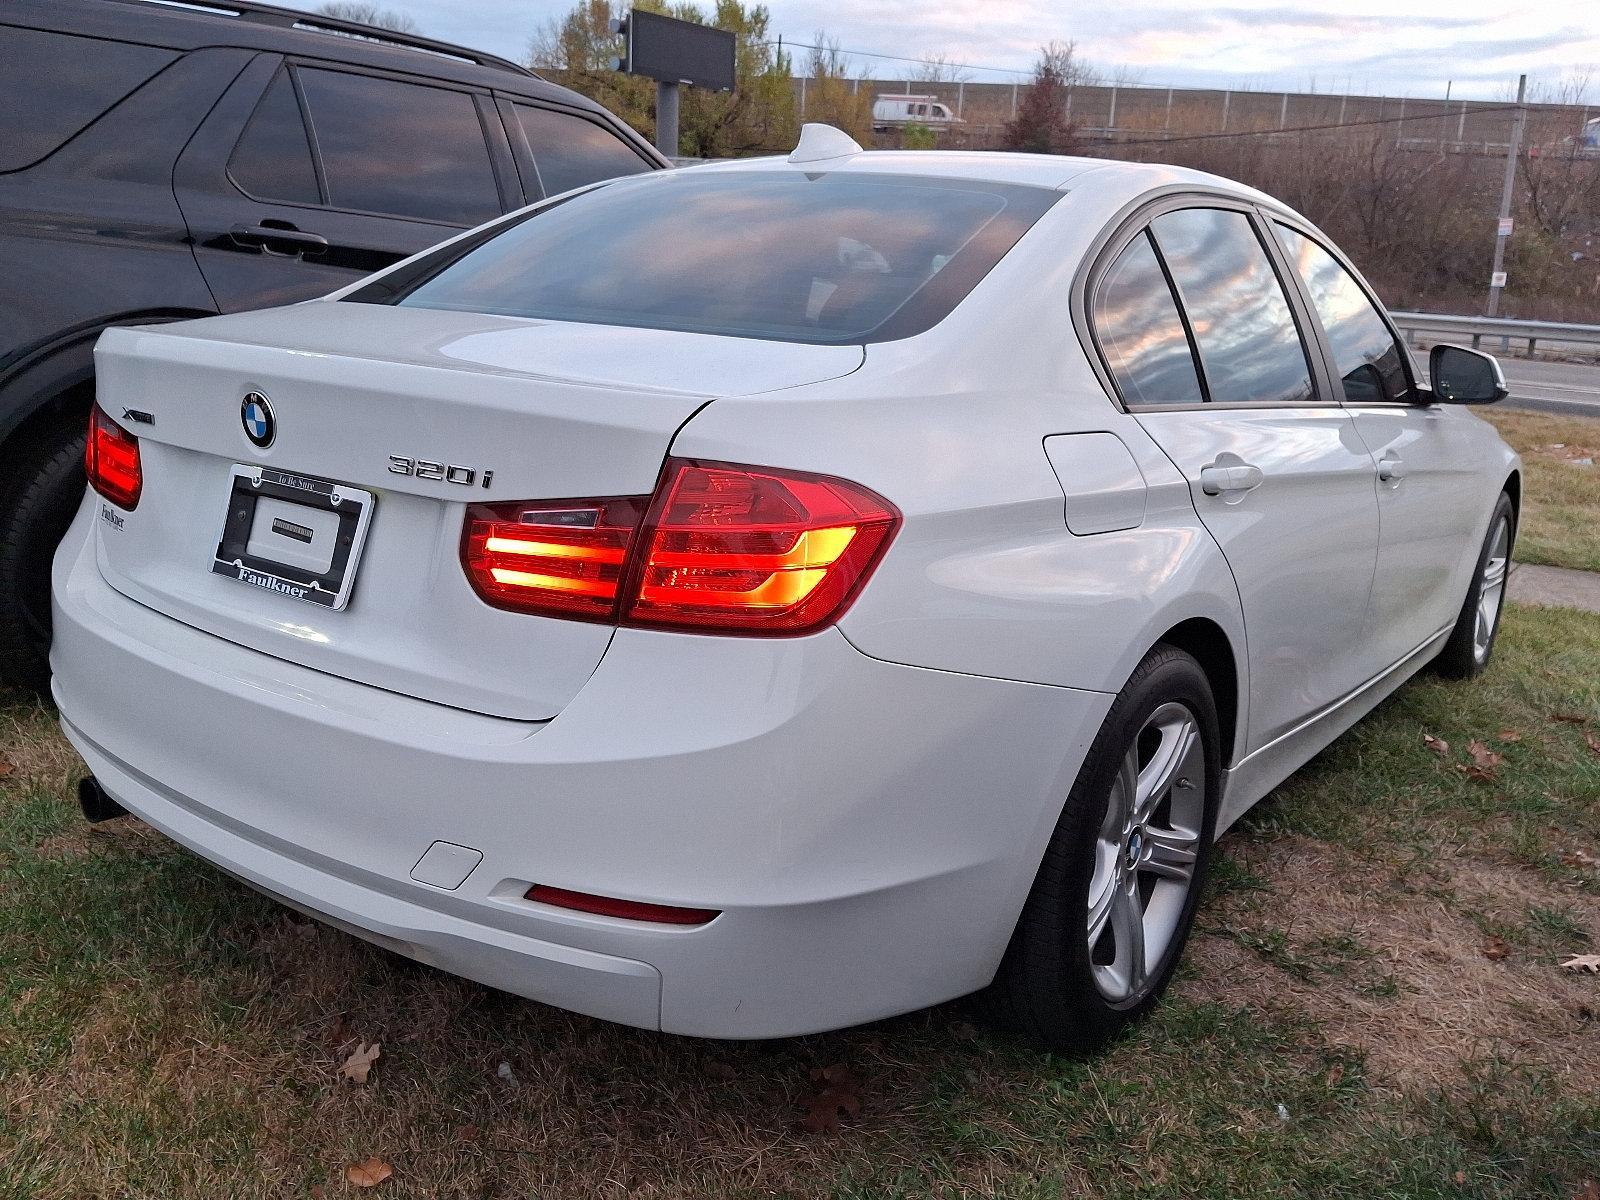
{"type": "Point", "coordinates": [1447, 328]}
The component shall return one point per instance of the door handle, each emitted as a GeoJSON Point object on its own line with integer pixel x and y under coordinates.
{"type": "Point", "coordinates": [1391, 470]}
{"type": "Point", "coordinates": [1219, 479]}
{"type": "Point", "coordinates": [289, 241]}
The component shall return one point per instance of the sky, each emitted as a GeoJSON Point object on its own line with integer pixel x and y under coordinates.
{"type": "Point", "coordinates": [1386, 47]}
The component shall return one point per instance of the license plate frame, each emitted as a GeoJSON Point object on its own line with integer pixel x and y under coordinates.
{"type": "Point", "coordinates": [330, 589]}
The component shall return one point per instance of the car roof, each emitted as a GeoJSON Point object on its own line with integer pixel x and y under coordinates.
{"type": "Point", "coordinates": [196, 24]}
{"type": "Point", "coordinates": [1054, 171]}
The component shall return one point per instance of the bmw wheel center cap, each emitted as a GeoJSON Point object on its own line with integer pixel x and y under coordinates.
{"type": "Point", "coordinates": [260, 426]}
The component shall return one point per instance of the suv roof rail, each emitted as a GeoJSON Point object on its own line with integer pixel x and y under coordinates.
{"type": "Point", "coordinates": [314, 22]}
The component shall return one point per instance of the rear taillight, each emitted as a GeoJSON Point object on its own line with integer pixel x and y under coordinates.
{"type": "Point", "coordinates": [562, 558]}
{"type": "Point", "coordinates": [719, 548]}
{"type": "Point", "coordinates": [628, 910]}
{"type": "Point", "coordinates": [111, 460]}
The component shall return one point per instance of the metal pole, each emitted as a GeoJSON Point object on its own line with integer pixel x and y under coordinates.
{"type": "Point", "coordinates": [1399, 126]}
{"type": "Point", "coordinates": [961, 97]}
{"type": "Point", "coordinates": [1444, 123]}
{"type": "Point", "coordinates": [1167, 124]}
{"type": "Point", "coordinates": [1283, 111]}
{"type": "Point", "coordinates": [1013, 99]}
{"type": "Point", "coordinates": [1502, 230]}
{"type": "Point", "coordinates": [802, 97]}
{"type": "Point", "coordinates": [1461, 123]}
{"type": "Point", "coordinates": [1226, 98]}
{"type": "Point", "coordinates": [1342, 100]}
{"type": "Point", "coordinates": [1111, 121]}
{"type": "Point", "coordinates": [667, 118]}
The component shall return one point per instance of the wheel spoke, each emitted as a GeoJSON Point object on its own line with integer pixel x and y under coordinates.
{"type": "Point", "coordinates": [1100, 907]}
{"type": "Point", "coordinates": [1161, 772]}
{"type": "Point", "coordinates": [1127, 926]}
{"type": "Point", "coordinates": [1124, 797]}
{"type": "Point", "coordinates": [1170, 853]}
{"type": "Point", "coordinates": [1494, 573]}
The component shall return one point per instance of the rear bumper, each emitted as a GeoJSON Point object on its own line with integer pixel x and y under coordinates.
{"type": "Point", "coordinates": [868, 831]}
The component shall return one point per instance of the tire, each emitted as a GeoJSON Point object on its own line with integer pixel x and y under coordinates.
{"type": "Point", "coordinates": [44, 487]}
{"type": "Point", "coordinates": [1471, 644]}
{"type": "Point", "coordinates": [1061, 984]}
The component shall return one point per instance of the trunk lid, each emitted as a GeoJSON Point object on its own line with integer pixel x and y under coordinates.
{"type": "Point", "coordinates": [554, 410]}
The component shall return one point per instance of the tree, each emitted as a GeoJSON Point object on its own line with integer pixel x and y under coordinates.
{"type": "Point", "coordinates": [369, 14]}
{"type": "Point", "coordinates": [1041, 124]}
{"type": "Point", "coordinates": [832, 97]}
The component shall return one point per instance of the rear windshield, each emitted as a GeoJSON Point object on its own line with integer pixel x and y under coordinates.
{"type": "Point", "coordinates": [784, 255]}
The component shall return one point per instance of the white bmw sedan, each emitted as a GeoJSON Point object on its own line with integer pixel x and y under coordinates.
{"type": "Point", "coordinates": [757, 599]}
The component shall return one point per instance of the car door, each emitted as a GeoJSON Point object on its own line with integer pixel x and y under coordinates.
{"type": "Point", "coordinates": [307, 176]}
{"type": "Point", "coordinates": [1425, 459]}
{"type": "Point", "coordinates": [1203, 344]}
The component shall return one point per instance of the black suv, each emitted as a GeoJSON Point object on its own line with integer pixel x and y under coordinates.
{"type": "Point", "coordinates": [160, 162]}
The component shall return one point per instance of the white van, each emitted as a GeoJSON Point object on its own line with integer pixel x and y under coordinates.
{"type": "Point", "coordinates": [889, 112]}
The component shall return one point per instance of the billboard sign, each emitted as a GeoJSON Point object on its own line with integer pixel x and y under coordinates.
{"type": "Point", "coordinates": [674, 51]}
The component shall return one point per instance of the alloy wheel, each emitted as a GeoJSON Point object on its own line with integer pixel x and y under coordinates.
{"type": "Point", "coordinates": [1492, 589]}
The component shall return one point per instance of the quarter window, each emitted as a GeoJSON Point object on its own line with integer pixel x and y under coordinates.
{"type": "Point", "coordinates": [401, 148]}
{"type": "Point", "coordinates": [570, 151]}
{"type": "Point", "coordinates": [1140, 331]}
{"type": "Point", "coordinates": [273, 158]}
{"type": "Point", "coordinates": [1249, 345]}
{"type": "Point", "coordinates": [1365, 353]}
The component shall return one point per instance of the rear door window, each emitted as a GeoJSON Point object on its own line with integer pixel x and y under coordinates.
{"type": "Point", "coordinates": [1140, 332]}
{"type": "Point", "coordinates": [273, 158]}
{"type": "Point", "coordinates": [1250, 346]}
{"type": "Point", "coordinates": [1370, 361]}
{"type": "Point", "coordinates": [570, 151]}
{"type": "Point", "coordinates": [405, 149]}
{"type": "Point", "coordinates": [55, 84]}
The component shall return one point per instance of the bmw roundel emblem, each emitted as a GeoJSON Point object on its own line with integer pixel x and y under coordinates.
{"type": "Point", "coordinates": [260, 426]}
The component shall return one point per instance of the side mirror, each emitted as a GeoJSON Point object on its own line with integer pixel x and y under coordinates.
{"type": "Point", "coordinates": [1462, 376]}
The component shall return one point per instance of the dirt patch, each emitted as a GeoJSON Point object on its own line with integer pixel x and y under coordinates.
{"type": "Point", "coordinates": [1390, 957]}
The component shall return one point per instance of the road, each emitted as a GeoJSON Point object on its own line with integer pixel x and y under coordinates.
{"type": "Point", "coordinates": [1553, 387]}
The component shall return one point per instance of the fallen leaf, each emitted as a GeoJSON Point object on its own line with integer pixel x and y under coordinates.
{"type": "Point", "coordinates": [838, 1092]}
{"type": "Point", "coordinates": [368, 1173]}
{"type": "Point", "coordinates": [1496, 948]}
{"type": "Point", "coordinates": [722, 1072]}
{"type": "Point", "coordinates": [1436, 744]}
{"type": "Point", "coordinates": [1570, 718]}
{"type": "Point", "coordinates": [1583, 962]}
{"type": "Point", "coordinates": [1579, 858]}
{"type": "Point", "coordinates": [1461, 1178]}
{"type": "Point", "coordinates": [1589, 1191]}
{"type": "Point", "coordinates": [1508, 735]}
{"type": "Point", "coordinates": [5, 766]}
{"type": "Point", "coordinates": [1335, 1074]}
{"type": "Point", "coordinates": [467, 1134]}
{"type": "Point", "coordinates": [358, 1066]}
{"type": "Point", "coordinates": [505, 1074]}
{"type": "Point", "coordinates": [1592, 739]}
{"type": "Point", "coordinates": [1483, 757]}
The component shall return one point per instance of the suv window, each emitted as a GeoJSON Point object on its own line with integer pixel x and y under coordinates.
{"type": "Point", "coordinates": [56, 84]}
{"type": "Point", "coordinates": [1250, 347]}
{"type": "Point", "coordinates": [401, 148]}
{"type": "Point", "coordinates": [1140, 332]}
{"type": "Point", "coordinates": [570, 151]}
{"type": "Point", "coordinates": [273, 158]}
{"type": "Point", "coordinates": [1365, 353]}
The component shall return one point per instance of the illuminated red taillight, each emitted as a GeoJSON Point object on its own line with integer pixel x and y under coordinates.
{"type": "Point", "coordinates": [755, 550]}
{"type": "Point", "coordinates": [562, 558]}
{"type": "Point", "coordinates": [630, 910]}
{"type": "Point", "coordinates": [719, 548]}
{"type": "Point", "coordinates": [111, 460]}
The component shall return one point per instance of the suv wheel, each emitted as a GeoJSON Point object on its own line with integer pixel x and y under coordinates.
{"type": "Point", "coordinates": [43, 489]}
{"type": "Point", "coordinates": [1105, 924]}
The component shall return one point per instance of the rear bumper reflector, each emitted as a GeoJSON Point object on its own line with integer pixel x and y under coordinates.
{"type": "Point", "coordinates": [629, 910]}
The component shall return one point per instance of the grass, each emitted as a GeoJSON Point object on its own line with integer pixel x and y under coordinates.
{"type": "Point", "coordinates": [165, 1032]}
{"type": "Point", "coordinates": [1561, 506]}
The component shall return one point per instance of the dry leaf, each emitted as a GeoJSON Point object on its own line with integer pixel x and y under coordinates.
{"type": "Point", "coordinates": [1592, 739]}
{"type": "Point", "coordinates": [5, 766]}
{"type": "Point", "coordinates": [1496, 948]}
{"type": "Point", "coordinates": [1461, 1178]}
{"type": "Point", "coordinates": [369, 1173]}
{"type": "Point", "coordinates": [1508, 735]}
{"type": "Point", "coordinates": [1583, 962]}
{"type": "Point", "coordinates": [1436, 744]}
{"type": "Point", "coordinates": [1483, 757]}
{"type": "Point", "coordinates": [838, 1092]}
{"type": "Point", "coordinates": [1570, 718]}
{"type": "Point", "coordinates": [1589, 1191]}
{"type": "Point", "coordinates": [358, 1066]}
{"type": "Point", "coordinates": [1335, 1074]}
{"type": "Point", "coordinates": [722, 1072]}
{"type": "Point", "coordinates": [1579, 858]}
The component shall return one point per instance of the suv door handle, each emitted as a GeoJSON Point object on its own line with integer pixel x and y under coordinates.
{"type": "Point", "coordinates": [289, 241]}
{"type": "Point", "coordinates": [1391, 469]}
{"type": "Point", "coordinates": [1218, 479]}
